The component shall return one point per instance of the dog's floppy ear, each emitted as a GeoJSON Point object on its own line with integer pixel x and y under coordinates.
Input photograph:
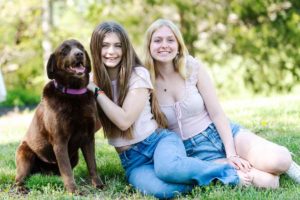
{"type": "Point", "coordinates": [51, 65]}
{"type": "Point", "coordinates": [88, 62]}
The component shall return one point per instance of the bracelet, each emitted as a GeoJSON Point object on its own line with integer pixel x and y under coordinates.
{"type": "Point", "coordinates": [97, 92]}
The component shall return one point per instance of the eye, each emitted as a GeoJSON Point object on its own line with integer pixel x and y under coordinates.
{"type": "Point", "coordinates": [119, 45]}
{"type": "Point", "coordinates": [65, 51]}
{"type": "Point", "coordinates": [80, 46]}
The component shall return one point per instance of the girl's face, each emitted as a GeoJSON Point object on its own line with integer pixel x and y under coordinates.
{"type": "Point", "coordinates": [111, 52]}
{"type": "Point", "coordinates": [163, 45]}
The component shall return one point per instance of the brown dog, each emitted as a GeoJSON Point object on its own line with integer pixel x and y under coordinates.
{"type": "Point", "coordinates": [64, 121]}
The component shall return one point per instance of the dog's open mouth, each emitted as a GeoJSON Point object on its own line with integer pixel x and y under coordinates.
{"type": "Point", "coordinates": [77, 68]}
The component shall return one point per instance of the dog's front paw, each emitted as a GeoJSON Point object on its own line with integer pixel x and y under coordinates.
{"type": "Point", "coordinates": [77, 193]}
{"type": "Point", "coordinates": [71, 188]}
{"type": "Point", "coordinates": [97, 183]}
{"type": "Point", "coordinates": [19, 189]}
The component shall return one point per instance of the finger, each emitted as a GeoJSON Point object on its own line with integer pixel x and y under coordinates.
{"type": "Point", "coordinates": [234, 165]}
{"type": "Point", "coordinates": [247, 165]}
{"type": "Point", "coordinates": [242, 166]}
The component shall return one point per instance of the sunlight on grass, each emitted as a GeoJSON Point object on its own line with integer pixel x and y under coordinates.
{"type": "Point", "coordinates": [275, 118]}
{"type": "Point", "coordinates": [13, 126]}
{"type": "Point", "coordinates": [279, 113]}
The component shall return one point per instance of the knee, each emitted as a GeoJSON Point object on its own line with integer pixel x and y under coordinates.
{"type": "Point", "coordinates": [165, 173]}
{"type": "Point", "coordinates": [281, 161]}
{"type": "Point", "coordinates": [172, 172]}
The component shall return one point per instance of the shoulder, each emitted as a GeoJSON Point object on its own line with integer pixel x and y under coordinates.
{"type": "Point", "coordinates": [141, 72]}
{"type": "Point", "coordinates": [140, 78]}
{"type": "Point", "coordinates": [193, 63]}
{"type": "Point", "coordinates": [193, 66]}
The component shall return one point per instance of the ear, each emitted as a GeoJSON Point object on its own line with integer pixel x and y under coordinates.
{"type": "Point", "coordinates": [51, 65]}
{"type": "Point", "coordinates": [88, 62]}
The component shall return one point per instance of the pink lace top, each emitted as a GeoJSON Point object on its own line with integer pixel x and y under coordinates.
{"type": "Point", "coordinates": [189, 116]}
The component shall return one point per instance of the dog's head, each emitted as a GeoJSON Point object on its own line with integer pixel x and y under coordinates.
{"type": "Point", "coordinates": [69, 59]}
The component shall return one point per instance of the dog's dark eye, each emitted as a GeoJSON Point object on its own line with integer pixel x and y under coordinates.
{"type": "Point", "coordinates": [79, 46]}
{"type": "Point", "coordinates": [65, 51]}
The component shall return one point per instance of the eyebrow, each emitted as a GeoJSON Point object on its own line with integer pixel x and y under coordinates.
{"type": "Point", "coordinates": [168, 36]}
{"type": "Point", "coordinates": [111, 43]}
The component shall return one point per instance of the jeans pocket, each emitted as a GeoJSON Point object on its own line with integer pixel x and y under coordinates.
{"type": "Point", "coordinates": [213, 136]}
{"type": "Point", "coordinates": [124, 159]}
{"type": "Point", "coordinates": [128, 158]}
{"type": "Point", "coordinates": [194, 144]}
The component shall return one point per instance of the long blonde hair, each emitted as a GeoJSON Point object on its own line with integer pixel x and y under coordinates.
{"type": "Point", "coordinates": [101, 78]}
{"type": "Point", "coordinates": [179, 61]}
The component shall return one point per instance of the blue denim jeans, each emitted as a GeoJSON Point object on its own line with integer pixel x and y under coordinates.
{"type": "Point", "coordinates": [208, 145]}
{"type": "Point", "coordinates": [159, 166]}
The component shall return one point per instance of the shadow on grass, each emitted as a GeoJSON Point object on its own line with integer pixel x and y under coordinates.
{"type": "Point", "coordinates": [108, 168]}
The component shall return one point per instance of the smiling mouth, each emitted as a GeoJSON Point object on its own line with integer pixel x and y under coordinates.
{"type": "Point", "coordinates": [164, 52]}
{"type": "Point", "coordinates": [111, 59]}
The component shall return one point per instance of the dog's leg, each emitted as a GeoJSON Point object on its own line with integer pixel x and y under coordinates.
{"type": "Point", "coordinates": [25, 159]}
{"type": "Point", "coordinates": [88, 151]}
{"type": "Point", "coordinates": [63, 161]}
{"type": "Point", "coordinates": [74, 159]}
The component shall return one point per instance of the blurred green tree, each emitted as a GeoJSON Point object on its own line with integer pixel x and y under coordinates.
{"type": "Point", "coordinates": [20, 52]}
{"type": "Point", "coordinates": [248, 45]}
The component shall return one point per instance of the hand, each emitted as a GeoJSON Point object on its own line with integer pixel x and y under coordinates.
{"type": "Point", "coordinates": [91, 86]}
{"type": "Point", "coordinates": [239, 163]}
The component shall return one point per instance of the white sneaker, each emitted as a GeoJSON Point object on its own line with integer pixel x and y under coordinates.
{"type": "Point", "coordinates": [294, 172]}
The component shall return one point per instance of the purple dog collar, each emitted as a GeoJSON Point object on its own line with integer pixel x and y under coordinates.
{"type": "Point", "coordinates": [69, 90]}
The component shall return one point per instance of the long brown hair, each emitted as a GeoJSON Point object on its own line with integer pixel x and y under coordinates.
{"type": "Point", "coordinates": [101, 78]}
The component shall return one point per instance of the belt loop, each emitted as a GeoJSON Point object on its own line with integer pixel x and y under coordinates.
{"type": "Point", "coordinates": [193, 141]}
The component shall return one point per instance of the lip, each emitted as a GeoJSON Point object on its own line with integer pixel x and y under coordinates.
{"type": "Point", "coordinates": [164, 53]}
{"type": "Point", "coordinates": [111, 57]}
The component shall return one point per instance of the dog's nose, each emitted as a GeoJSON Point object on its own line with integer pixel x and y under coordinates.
{"type": "Point", "coordinates": [79, 55]}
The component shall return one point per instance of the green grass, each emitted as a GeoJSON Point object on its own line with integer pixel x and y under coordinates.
{"type": "Point", "coordinates": [275, 118]}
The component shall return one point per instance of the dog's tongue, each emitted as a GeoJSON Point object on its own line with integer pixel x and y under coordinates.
{"type": "Point", "coordinates": [78, 69]}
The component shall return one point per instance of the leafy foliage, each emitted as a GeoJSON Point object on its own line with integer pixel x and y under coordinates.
{"type": "Point", "coordinates": [248, 46]}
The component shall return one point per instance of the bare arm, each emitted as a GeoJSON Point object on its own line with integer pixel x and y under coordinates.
{"type": "Point", "coordinates": [216, 113]}
{"type": "Point", "coordinates": [123, 117]}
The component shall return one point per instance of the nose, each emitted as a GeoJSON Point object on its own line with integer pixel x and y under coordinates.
{"type": "Point", "coordinates": [79, 54]}
{"type": "Point", "coordinates": [164, 44]}
{"type": "Point", "coordinates": [111, 49]}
